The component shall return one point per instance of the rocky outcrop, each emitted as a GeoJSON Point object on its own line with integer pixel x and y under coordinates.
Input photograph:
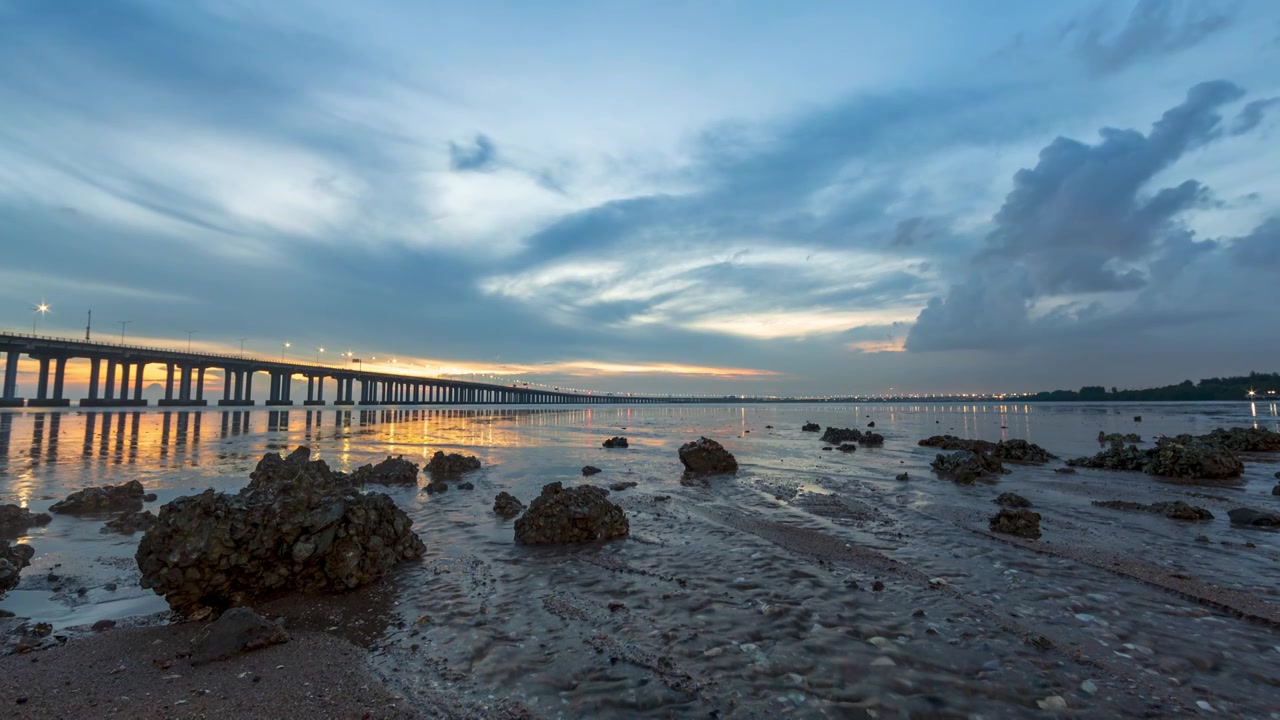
{"type": "Point", "coordinates": [15, 520]}
{"type": "Point", "coordinates": [836, 436]}
{"type": "Point", "coordinates": [103, 499]}
{"type": "Point", "coordinates": [1019, 451]}
{"type": "Point", "coordinates": [1183, 457]}
{"type": "Point", "coordinates": [392, 471]}
{"type": "Point", "coordinates": [1243, 439]}
{"type": "Point", "coordinates": [452, 464]}
{"type": "Point", "coordinates": [436, 486]}
{"type": "Point", "coordinates": [871, 424]}
{"type": "Point", "coordinates": [1011, 500]}
{"type": "Point", "coordinates": [506, 505]}
{"type": "Point", "coordinates": [130, 522]}
{"type": "Point", "coordinates": [1256, 518]}
{"type": "Point", "coordinates": [848, 447]}
{"type": "Point", "coordinates": [965, 466]}
{"type": "Point", "coordinates": [296, 527]}
{"type": "Point", "coordinates": [1177, 510]}
{"type": "Point", "coordinates": [871, 440]}
{"type": "Point", "coordinates": [625, 485]}
{"type": "Point", "coordinates": [615, 442]}
{"type": "Point", "coordinates": [811, 427]}
{"type": "Point", "coordinates": [1022, 523]}
{"type": "Point", "coordinates": [590, 470]}
{"type": "Point", "coordinates": [574, 515]}
{"type": "Point", "coordinates": [12, 559]}
{"type": "Point", "coordinates": [706, 456]}
{"type": "Point", "coordinates": [1108, 438]}
{"type": "Point", "coordinates": [903, 476]}
{"type": "Point", "coordinates": [238, 630]}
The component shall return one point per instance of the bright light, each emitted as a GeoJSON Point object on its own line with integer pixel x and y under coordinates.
{"type": "Point", "coordinates": [42, 308]}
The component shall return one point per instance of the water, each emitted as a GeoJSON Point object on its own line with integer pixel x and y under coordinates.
{"type": "Point", "coordinates": [749, 596]}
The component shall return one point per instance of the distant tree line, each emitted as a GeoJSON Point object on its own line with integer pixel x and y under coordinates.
{"type": "Point", "coordinates": [1228, 388]}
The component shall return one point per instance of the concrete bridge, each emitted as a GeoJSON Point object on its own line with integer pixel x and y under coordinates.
{"type": "Point", "coordinates": [116, 379]}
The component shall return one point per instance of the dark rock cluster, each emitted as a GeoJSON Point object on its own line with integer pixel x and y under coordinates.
{"type": "Point", "coordinates": [1011, 500]}
{"type": "Point", "coordinates": [1022, 523]}
{"type": "Point", "coordinates": [615, 442]}
{"type": "Point", "coordinates": [571, 515]}
{"type": "Point", "coordinates": [811, 427]}
{"type": "Point", "coordinates": [871, 439]}
{"type": "Point", "coordinates": [1177, 510]}
{"type": "Point", "coordinates": [848, 447]}
{"type": "Point", "coordinates": [1007, 450]}
{"type": "Point", "coordinates": [706, 456]}
{"type": "Point", "coordinates": [1184, 456]}
{"type": "Point", "coordinates": [103, 499]}
{"type": "Point", "coordinates": [1256, 518]}
{"type": "Point", "coordinates": [392, 471]}
{"type": "Point", "coordinates": [506, 505]}
{"type": "Point", "coordinates": [130, 522]}
{"type": "Point", "coordinates": [296, 527]}
{"type": "Point", "coordinates": [1242, 439]}
{"type": "Point", "coordinates": [1107, 438]}
{"type": "Point", "coordinates": [590, 470]}
{"type": "Point", "coordinates": [836, 436]}
{"type": "Point", "coordinates": [625, 485]}
{"type": "Point", "coordinates": [12, 559]}
{"type": "Point", "coordinates": [965, 466]}
{"type": "Point", "coordinates": [15, 520]}
{"type": "Point", "coordinates": [452, 464]}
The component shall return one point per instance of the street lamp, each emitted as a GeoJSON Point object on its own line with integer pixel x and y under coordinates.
{"type": "Point", "coordinates": [318, 352]}
{"type": "Point", "coordinates": [123, 323]}
{"type": "Point", "coordinates": [40, 310]}
{"type": "Point", "coordinates": [189, 334]}
{"type": "Point", "coordinates": [242, 346]}
{"type": "Point", "coordinates": [284, 347]}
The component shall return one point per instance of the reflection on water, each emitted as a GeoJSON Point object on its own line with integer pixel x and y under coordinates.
{"type": "Point", "coordinates": [748, 596]}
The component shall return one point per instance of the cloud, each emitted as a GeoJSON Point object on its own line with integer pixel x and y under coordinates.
{"type": "Point", "coordinates": [1082, 221]}
{"type": "Point", "coordinates": [479, 156]}
{"type": "Point", "coordinates": [1252, 115]}
{"type": "Point", "coordinates": [1260, 248]}
{"type": "Point", "coordinates": [1153, 29]}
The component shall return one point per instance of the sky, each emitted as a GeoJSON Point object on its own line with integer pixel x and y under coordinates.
{"type": "Point", "coordinates": [739, 197]}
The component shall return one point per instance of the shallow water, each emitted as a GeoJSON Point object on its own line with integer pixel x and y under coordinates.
{"type": "Point", "coordinates": [749, 596]}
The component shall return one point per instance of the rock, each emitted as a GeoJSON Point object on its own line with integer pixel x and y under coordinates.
{"type": "Point", "coordinates": [903, 476]}
{"type": "Point", "coordinates": [620, 486]}
{"type": "Point", "coordinates": [616, 442]}
{"type": "Point", "coordinates": [507, 506]}
{"type": "Point", "coordinates": [1183, 456]}
{"type": "Point", "coordinates": [392, 471]}
{"type": "Point", "coordinates": [437, 486]}
{"type": "Point", "coordinates": [871, 440]}
{"type": "Point", "coordinates": [452, 464]}
{"type": "Point", "coordinates": [1108, 438]}
{"type": "Point", "coordinates": [828, 448]}
{"type": "Point", "coordinates": [1022, 523]}
{"type": "Point", "coordinates": [13, 558]}
{"type": "Point", "coordinates": [590, 470]}
{"type": "Point", "coordinates": [466, 486]}
{"type": "Point", "coordinates": [1202, 538]}
{"type": "Point", "coordinates": [768, 427]}
{"type": "Point", "coordinates": [1065, 470]}
{"type": "Point", "coordinates": [1278, 474]}
{"type": "Point", "coordinates": [1276, 490]}
{"type": "Point", "coordinates": [811, 427]}
{"type": "Point", "coordinates": [1137, 418]}
{"type": "Point", "coordinates": [575, 515]}
{"type": "Point", "coordinates": [1176, 510]}
{"type": "Point", "coordinates": [296, 527]}
{"type": "Point", "coordinates": [877, 586]}
{"type": "Point", "coordinates": [1053, 702]}
{"type": "Point", "coordinates": [106, 498]}
{"type": "Point", "coordinates": [1256, 518]}
{"type": "Point", "coordinates": [965, 466]}
{"type": "Point", "coordinates": [1014, 450]}
{"type": "Point", "coordinates": [103, 625]}
{"type": "Point", "coordinates": [836, 436]}
{"type": "Point", "coordinates": [871, 424]}
{"type": "Point", "coordinates": [707, 456]}
{"type": "Point", "coordinates": [1012, 501]}
{"type": "Point", "coordinates": [847, 447]}
{"type": "Point", "coordinates": [1243, 439]}
{"type": "Point", "coordinates": [238, 630]}
{"type": "Point", "coordinates": [130, 522]}
{"type": "Point", "coordinates": [15, 520]}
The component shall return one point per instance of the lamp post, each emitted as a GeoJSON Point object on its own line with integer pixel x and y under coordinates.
{"type": "Point", "coordinates": [189, 334]}
{"type": "Point", "coordinates": [284, 346]}
{"type": "Point", "coordinates": [40, 310]}
{"type": "Point", "coordinates": [319, 351]}
{"type": "Point", "coordinates": [242, 346]}
{"type": "Point", "coordinates": [123, 323]}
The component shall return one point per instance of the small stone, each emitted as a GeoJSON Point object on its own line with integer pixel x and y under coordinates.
{"type": "Point", "coordinates": [883, 643]}
{"type": "Point", "coordinates": [1205, 706]}
{"type": "Point", "coordinates": [1088, 686]}
{"type": "Point", "coordinates": [238, 630]}
{"type": "Point", "coordinates": [103, 625]}
{"type": "Point", "coordinates": [590, 470]}
{"type": "Point", "coordinates": [877, 586]}
{"type": "Point", "coordinates": [904, 476]}
{"type": "Point", "coordinates": [1053, 702]}
{"type": "Point", "coordinates": [615, 442]}
{"type": "Point", "coordinates": [883, 662]}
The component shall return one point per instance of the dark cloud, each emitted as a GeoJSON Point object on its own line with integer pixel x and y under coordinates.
{"type": "Point", "coordinates": [1081, 221]}
{"type": "Point", "coordinates": [1154, 28]}
{"type": "Point", "coordinates": [480, 155]}
{"type": "Point", "coordinates": [1252, 114]}
{"type": "Point", "coordinates": [1260, 248]}
{"type": "Point", "coordinates": [916, 231]}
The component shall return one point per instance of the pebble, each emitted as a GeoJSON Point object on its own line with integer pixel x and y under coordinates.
{"type": "Point", "coordinates": [1053, 702]}
{"type": "Point", "coordinates": [883, 643]}
{"type": "Point", "coordinates": [1084, 617]}
{"type": "Point", "coordinates": [1089, 687]}
{"type": "Point", "coordinates": [883, 662]}
{"type": "Point", "coordinates": [1205, 706]}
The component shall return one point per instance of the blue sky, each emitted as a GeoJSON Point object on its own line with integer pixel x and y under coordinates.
{"type": "Point", "coordinates": [722, 196]}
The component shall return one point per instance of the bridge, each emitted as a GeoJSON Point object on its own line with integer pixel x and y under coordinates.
{"type": "Point", "coordinates": [116, 379]}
